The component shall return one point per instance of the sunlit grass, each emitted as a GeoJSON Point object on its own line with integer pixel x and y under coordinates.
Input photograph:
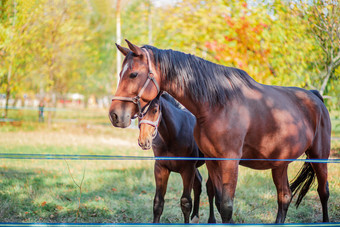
{"type": "Point", "coordinates": [122, 191]}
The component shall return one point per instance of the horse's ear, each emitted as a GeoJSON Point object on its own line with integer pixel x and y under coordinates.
{"type": "Point", "coordinates": [124, 50]}
{"type": "Point", "coordinates": [135, 49]}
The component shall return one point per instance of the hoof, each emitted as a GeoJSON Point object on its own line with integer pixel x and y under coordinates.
{"type": "Point", "coordinates": [195, 220]}
{"type": "Point", "coordinates": [212, 220]}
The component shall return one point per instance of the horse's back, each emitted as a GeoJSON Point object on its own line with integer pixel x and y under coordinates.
{"type": "Point", "coordinates": [284, 122]}
{"type": "Point", "coordinates": [294, 102]}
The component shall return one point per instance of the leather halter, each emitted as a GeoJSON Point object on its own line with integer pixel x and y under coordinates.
{"type": "Point", "coordinates": [136, 99]}
{"type": "Point", "coordinates": [155, 123]}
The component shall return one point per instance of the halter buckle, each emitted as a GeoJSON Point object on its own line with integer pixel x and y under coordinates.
{"type": "Point", "coordinates": [136, 99]}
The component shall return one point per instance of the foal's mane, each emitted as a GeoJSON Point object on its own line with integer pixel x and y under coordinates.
{"type": "Point", "coordinates": [172, 100]}
{"type": "Point", "coordinates": [205, 81]}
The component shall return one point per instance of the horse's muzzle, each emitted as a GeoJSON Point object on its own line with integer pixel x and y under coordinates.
{"type": "Point", "coordinates": [145, 145]}
{"type": "Point", "coordinates": [121, 121]}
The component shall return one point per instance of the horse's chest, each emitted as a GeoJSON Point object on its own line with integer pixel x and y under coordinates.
{"type": "Point", "coordinates": [174, 150]}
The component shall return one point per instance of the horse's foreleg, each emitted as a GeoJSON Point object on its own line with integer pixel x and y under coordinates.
{"type": "Point", "coordinates": [284, 194]}
{"type": "Point", "coordinates": [188, 180]}
{"type": "Point", "coordinates": [210, 192]}
{"type": "Point", "coordinates": [161, 178]}
{"type": "Point", "coordinates": [214, 188]}
{"type": "Point", "coordinates": [197, 193]}
{"type": "Point", "coordinates": [224, 177]}
{"type": "Point", "coordinates": [229, 170]}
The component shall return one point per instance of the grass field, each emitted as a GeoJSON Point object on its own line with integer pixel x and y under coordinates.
{"type": "Point", "coordinates": [120, 191]}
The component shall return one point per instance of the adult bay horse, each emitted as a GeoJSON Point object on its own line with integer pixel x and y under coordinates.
{"type": "Point", "coordinates": [236, 118]}
{"type": "Point", "coordinates": [169, 129]}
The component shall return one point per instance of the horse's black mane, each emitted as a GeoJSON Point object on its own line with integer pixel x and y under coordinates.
{"type": "Point", "coordinates": [205, 81]}
{"type": "Point", "coordinates": [172, 100]}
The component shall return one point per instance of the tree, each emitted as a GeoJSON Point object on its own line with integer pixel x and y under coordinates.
{"type": "Point", "coordinates": [324, 18]}
{"type": "Point", "coordinates": [16, 17]}
{"type": "Point", "coordinates": [244, 44]}
{"type": "Point", "coordinates": [118, 37]}
{"type": "Point", "coordinates": [62, 46]}
{"type": "Point", "coordinates": [269, 41]}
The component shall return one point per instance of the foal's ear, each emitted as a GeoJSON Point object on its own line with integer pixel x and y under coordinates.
{"type": "Point", "coordinates": [135, 49]}
{"type": "Point", "coordinates": [124, 50]}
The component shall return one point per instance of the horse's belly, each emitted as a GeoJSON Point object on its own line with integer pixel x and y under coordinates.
{"type": "Point", "coordinates": [274, 154]}
{"type": "Point", "coordinates": [261, 165]}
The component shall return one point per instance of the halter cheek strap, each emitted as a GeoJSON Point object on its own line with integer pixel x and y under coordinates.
{"type": "Point", "coordinates": [136, 99]}
{"type": "Point", "coordinates": [155, 124]}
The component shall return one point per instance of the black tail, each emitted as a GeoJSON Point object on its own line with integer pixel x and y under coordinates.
{"type": "Point", "coordinates": [302, 182]}
{"type": "Point", "coordinates": [317, 93]}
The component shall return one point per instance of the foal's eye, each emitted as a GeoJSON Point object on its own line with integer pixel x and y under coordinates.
{"type": "Point", "coordinates": [133, 75]}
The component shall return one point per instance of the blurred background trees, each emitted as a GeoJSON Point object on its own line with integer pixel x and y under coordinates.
{"type": "Point", "coordinates": [49, 48]}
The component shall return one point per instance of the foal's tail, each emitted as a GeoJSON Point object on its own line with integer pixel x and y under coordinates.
{"type": "Point", "coordinates": [302, 182]}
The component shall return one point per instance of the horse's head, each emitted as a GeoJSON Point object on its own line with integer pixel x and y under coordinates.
{"type": "Point", "coordinates": [148, 125]}
{"type": "Point", "coordinates": [138, 86]}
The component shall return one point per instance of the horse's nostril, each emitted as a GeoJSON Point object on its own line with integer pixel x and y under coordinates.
{"type": "Point", "coordinates": [114, 117]}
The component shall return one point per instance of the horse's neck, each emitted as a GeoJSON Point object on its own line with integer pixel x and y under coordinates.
{"type": "Point", "coordinates": [197, 108]}
{"type": "Point", "coordinates": [185, 99]}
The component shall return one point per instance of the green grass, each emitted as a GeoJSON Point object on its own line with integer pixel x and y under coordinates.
{"type": "Point", "coordinates": [121, 191]}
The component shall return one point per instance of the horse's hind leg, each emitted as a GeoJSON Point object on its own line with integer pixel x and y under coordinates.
{"type": "Point", "coordinates": [197, 193]}
{"type": "Point", "coordinates": [323, 191]}
{"type": "Point", "coordinates": [188, 176]}
{"type": "Point", "coordinates": [284, 194]}
{"type": "Point", "coordinates": [211, 194]}
{"type": "Point", "coordinates": [321, 152]}
{"type": "Point", "coordinates": [161, 177]}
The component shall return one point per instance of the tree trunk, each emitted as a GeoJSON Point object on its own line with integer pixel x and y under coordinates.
{"type": "Point", "coordinates": [86, 101]}
{"type": "Point", "coordinates": [325, 80]}
{"type": "Point", "coordinates": [149, 23]}
{"type": "Point", "coordinates": [15, 102]}
{"type": "Point", "coordinates": [8, 93]}
{"type": "Point", "coordinates": [9, 74]}
{"type": "Point", "coordinates": [118, 39]}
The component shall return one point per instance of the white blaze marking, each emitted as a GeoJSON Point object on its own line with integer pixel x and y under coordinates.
{"type": "Point", "coordinates": [122, 73]}
{"type": "Point", "coordinates": [125, 68]}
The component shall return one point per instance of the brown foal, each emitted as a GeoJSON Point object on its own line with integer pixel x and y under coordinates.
{"type": "Point", "coordinates": [168, 128]}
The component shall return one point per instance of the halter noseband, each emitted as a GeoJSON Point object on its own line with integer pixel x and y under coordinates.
{"type": "Point", "coordinates": [136, 99]}
{"type": "Point", "coordinates": [155, 124]}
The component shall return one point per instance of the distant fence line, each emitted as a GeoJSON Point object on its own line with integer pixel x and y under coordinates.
{"type": "Point", "coordinates": [35, 108]}
{"type": "Point", "coordinates": [148, 158]}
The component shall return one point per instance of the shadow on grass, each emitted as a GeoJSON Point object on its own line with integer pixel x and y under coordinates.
{"type": "Point", "coordinates": [256, 201]}
{"type": "Point", "coordinates": [45, 196]}
{"type": "Point", "coordinates": [126, 196]}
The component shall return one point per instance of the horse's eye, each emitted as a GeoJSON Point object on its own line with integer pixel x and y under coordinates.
{"type": "Point", "coordinates": [133, 75]}
{"type": "Point", "coordinates": [155, 111]}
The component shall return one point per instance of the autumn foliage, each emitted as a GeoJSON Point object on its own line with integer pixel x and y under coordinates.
{"type": "Point", "coordinates": [242, 46]}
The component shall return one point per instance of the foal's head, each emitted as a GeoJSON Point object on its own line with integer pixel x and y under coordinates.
{"type": "Point", "coordinates": [138, 86]}
{"type": "Point", "coordinates": [148, 125]}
